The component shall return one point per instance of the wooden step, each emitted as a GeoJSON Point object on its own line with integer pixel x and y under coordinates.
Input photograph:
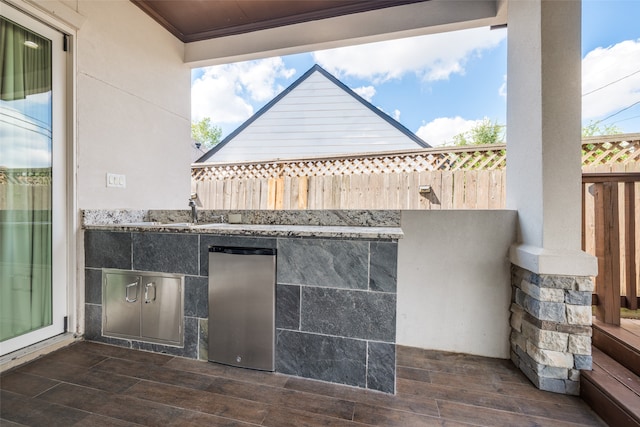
{"type": "Point", "coordinates": [621, 344]}
{"type": "Point", "coordinates": [612, 391]}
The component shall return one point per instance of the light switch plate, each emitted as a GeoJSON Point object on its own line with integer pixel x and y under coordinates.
{"type": "Point", "coordinates": [116, 180]}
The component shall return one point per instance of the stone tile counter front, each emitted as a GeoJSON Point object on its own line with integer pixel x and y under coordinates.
{"type": "Point", "coordinates": [346, 327]}
{"type": "Point", "coordinates": [335, 292]}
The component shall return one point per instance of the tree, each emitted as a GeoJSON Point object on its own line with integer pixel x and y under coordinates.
{"type": "Point", "coordinates": [597, 128]}
{"type": "Point", "coordinates": [485, 132]}
{"type": "Point", "coordinates": [205, 133]}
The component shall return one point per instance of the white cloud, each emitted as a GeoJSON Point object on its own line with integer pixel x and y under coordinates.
{"type": "Point", "coordinates": [215, 96]}
{"type": "Point", "coordinates": [24, 143]}
{"type": "Point", "coordinates": [432, 57]}
{"type": "Point", "coordinates": [367, 92]}
{"type": "Point", "coordinates": [223, 91]}
{"type": "Point", "coordinates": [602, 66]}
{"type": "Point", "coordinates": [441, 131]}
{"type": "Point", "coordinates": [395, 114]}
{"type": "Point", "coordinates": [258, 77]}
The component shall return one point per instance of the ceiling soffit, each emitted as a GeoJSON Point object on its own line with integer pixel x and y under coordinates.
{"type": "Point", "coordinates": [196, 20]}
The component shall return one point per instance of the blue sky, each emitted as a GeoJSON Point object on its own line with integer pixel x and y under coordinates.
{"type": "Point", "coordinates": [458, 79]}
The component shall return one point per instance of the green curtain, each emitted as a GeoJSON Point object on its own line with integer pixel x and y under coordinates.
{"type": "Point", "coordinates": [25, 69]}
{"type": "Point", "coordinates": [25, 192]}
{"type": "Point", "coordinates": [25, 264]}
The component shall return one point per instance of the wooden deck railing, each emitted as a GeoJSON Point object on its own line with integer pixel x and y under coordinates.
{"type": "Point", "coordinates": [611, 211]}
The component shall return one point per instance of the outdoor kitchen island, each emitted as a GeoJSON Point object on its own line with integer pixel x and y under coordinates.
{"type": "Point", "coordinates": [336, 282]}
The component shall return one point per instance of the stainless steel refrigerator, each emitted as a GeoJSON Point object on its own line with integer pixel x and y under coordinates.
{"type": "Point", "coordinates": [242, 306]}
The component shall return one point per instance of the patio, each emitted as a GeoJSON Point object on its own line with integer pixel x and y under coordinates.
{"type": "Point", "coordinates": [124, 68]}
{"type": "Point", "coordinates": [99, 385]}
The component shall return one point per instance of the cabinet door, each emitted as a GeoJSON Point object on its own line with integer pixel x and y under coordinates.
{"type": "Point", "coordinates": [121, 304]}
{"type": "Point", "coordinates": [162, 309]}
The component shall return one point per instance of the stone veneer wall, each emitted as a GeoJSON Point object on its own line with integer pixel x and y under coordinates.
{"type": "Point", "coordinates": [551, 328]}
{"type": "Point", "coordinates": [335, 299]}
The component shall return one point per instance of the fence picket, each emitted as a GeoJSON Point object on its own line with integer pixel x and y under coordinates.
{"type": "Point", "coordinates": [471, 189]}
{"type": "Point", "coordinates": [319, 192]}
{"type": "Point", "coordinates": [414, 184]}
{"type": "Point", "coordinates": [327, 186]}
{"type": "Point", "coordinates": [392, 196]}
{"type": "Point", "coordinates": [255, 194]}
{"type": "Point", "coordinates": [629, 249]}
{"type": "Point", "coordinates": [436, 180]}
{"type": "Point", "coordinates": [336, 191]}
{"type": "Point", "coordinates": [264, 193]}
{"type": "Point", "coordinates": [404, 192]}
{"type": "Point", "coordinates": [345, 183]}
{"type": "Point", "coordinates": [494, 190]}
{"type": "Point", "coordinates": [289, 190]}
{"type": "Point", "coordinates": [303, 192]}
{"type": "Point", "coordinates": [458, 189]}
{"type": "Point", "coordinates": [279, 193]}
{"type": "Point", "coordinates": [482, 189]}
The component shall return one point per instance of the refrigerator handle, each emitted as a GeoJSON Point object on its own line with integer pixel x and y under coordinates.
{"type": "Point", "coordinates": [149, 285]}
{"type": "Point", "coordinates": [127, 289]}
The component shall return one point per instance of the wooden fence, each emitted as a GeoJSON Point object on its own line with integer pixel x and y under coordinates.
{"type": "Point", "coordinates": [442, 178]}
{"type": "Point", "coordinates": [474, 189]}
{"type": "Point", "coordinates": [611, 216]}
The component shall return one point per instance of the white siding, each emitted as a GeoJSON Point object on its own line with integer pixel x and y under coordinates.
{"type": "Point", "coordinates": [317, 118]}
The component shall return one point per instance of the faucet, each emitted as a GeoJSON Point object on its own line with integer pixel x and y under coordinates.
{"type": "Point", "coordinates": [194, 210]}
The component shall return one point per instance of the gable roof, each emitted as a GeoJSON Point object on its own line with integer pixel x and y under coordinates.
{"type": "Point", "coordinates": [398, 129]}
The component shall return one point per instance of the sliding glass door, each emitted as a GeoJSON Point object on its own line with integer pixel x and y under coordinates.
{"type": "Point", "coordinates": [33, 254]}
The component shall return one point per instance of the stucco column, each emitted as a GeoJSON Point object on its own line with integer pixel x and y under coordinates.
{"type": "Point", "coordinates": [551, 275]}
{"type": "Point", "coordinates": [544, 122]}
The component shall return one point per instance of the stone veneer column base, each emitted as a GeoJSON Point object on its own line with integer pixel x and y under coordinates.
{"type": "Point", "coordinates": [551, 328]}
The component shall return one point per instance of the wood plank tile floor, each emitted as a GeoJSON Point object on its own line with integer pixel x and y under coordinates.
{"type": "Point", "coordinates": [90, 384]}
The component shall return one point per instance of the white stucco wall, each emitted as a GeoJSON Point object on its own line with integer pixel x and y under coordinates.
{"type": "Point", "coordinates": [133, 110]}
{"type": "Point", "coordinates": [454, 289]}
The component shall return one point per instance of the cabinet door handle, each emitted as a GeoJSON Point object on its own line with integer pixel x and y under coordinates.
{"type": "Point", "coordinates": [126, 292]}
{"type": "Point", "coordinates": [148, 286]}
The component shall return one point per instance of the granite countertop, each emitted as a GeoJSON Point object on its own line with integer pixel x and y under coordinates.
{"type": "Point", "coordinates": [260, 230]}
{"type": "Point", "coordinates": [326, 224]}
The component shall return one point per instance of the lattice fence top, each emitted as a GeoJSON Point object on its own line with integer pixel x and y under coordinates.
{"type": "Point", "coordinates": [615, 149]}
{"type": "Point", "coordinates": [25, 176]}
{"type": "Point", "coordinates": [620, 149]}
{"type": "Point", "coordinates": [478, 157]}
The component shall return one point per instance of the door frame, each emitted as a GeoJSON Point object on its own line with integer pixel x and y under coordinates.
{"type": "Point", "coordinates": [64, 222]}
